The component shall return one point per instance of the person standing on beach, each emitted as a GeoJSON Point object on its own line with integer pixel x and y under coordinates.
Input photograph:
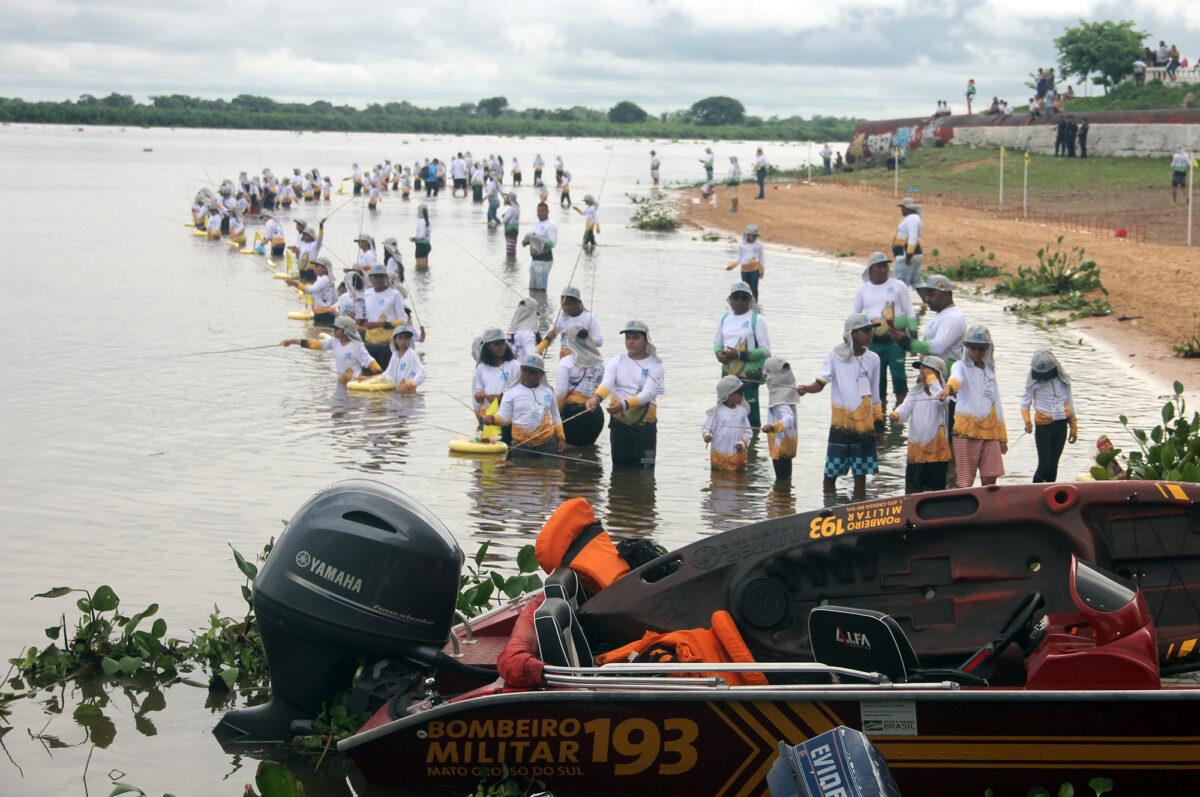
{"type": "Point", "coordinates": [655, 162]}
{"type": "Point", "coordinates": [906, 245]}
{"type": "Point", "coordinates": [760, 172]}
{"type": "Point", "coordinates": [733, 178]}
{"type": "Point", "coordinates": [1069, 136]}
{"type": "Point", "coordinates": [707, 160]}
{"type": "Point", "coordinates": [1060, 138]}
{"type": "Point", "coordinates": [857, 425]}
{"type": "Point", "coordinates": [827, 158]}
{"type": "Point", "coordinates": [1179, 170]}
{"type": "Point", "coordinates": [1081, 136]}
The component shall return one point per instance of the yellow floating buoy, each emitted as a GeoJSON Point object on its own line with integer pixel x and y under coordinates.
{"type": "Point", "coordinates": [301, 315]}
{"type": "Point", "coordinates": [379, 385]}
{"type": "Point", "coordinates": [463, 446]}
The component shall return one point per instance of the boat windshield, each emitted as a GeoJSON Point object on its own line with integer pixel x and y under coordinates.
{"type": "Point", "coordinates": [1101, 590]}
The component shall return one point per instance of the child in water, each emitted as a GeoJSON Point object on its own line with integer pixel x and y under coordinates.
{"type": "Point", "coordinates": [925, 414]}
{"type": "Point", "coordinates": [781, 416]}
{"type": "Point", "coordinates": [980, 437]}
{"type": "Point", "coordinates": [727, 427]}
{"type": "Point", "coordinates": [1048, 394]}
{"type": "Point", "coordinates": [404, 370]}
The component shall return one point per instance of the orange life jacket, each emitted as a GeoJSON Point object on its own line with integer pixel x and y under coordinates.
{"type": "Point", "coordinates": [721, 643]}
{"type": "Point", "coordinates": [572, 538]}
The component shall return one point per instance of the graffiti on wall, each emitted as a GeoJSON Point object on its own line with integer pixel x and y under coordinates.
{"type": "Point", "coordinates": [877, 140]}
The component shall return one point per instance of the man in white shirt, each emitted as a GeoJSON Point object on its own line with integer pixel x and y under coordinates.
{"type": "Point", "coordinates": [1179, 172]}
{"type": "Point", "coordinates": [760, 172]}
{"type": "Point", "coordinates": [541, 241]}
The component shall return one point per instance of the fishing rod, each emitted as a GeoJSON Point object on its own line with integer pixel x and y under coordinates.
{"type": "Point", "coordinates": [226, 351]}
{"type": "Point", "coordinates": [497, 276]}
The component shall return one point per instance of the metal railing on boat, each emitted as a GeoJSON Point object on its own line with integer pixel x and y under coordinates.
{"type": "Point", "coordinates": [648, 676]}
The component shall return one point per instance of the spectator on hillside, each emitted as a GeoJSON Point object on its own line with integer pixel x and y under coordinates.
{"type": "Point", "coordinates": [1057, 106]}
{"type": "Point", "coordinates": [1081, 137]}
{"type": "Point", "coordinates": [1160, 56]}
{"type": "Point", "coordinates": [1035, 110]}
{"type": "Point", "coordinates": [1070, 95]}
{"type": "Point", "coordinates": [1172, 61]}
{"type": "Point", "coordinates": [995, 106]}
{"type": "Point", "coordinates": [839, 164]}
{"type": "Point", "coordinates": [1042, 84]}
{"type": "Point", "coordinates": [970, 94]}
{"type": "Point", "coordinates": [1139, 71]}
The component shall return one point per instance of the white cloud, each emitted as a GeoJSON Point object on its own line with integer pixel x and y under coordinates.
{"type": "Point", "coordinates": [871, 58]}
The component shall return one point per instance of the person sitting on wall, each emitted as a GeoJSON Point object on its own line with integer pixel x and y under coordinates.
{"type": "Point", "coordinates": [995, 106]}
{"type": "Point", "coordinates": [1035, 110]}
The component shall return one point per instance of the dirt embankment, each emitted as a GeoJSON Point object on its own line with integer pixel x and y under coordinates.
{"type": "Point", "coordinates": [1155, 288]}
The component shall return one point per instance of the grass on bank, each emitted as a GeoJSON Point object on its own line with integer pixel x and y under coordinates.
{"type": "Point", "coordinates": [976, 170]}
{"type": "Point", "coordinates": [1132, 97]}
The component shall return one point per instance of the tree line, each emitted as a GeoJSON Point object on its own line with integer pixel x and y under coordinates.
{"type": "Point", "coordinates": [710, 118]}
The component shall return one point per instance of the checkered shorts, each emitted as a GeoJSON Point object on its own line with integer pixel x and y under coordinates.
{"type": "Point", "coordinates": [856, 458]}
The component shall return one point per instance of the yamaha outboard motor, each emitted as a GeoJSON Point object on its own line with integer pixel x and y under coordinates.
{"type": "Point", "coordinates": [363, 573]}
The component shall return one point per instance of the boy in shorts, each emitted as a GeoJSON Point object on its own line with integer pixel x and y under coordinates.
{"type": "Point", "coordinates": [853, 371]}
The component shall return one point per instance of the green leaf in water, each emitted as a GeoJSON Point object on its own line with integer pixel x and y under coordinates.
{"type": "Point", "coordinates": [110, 665]}
{"type": "Point", "coordinates": [527, 560]}
{"type": "Point", "coordinates": [87, 711]}
{"type": "Point", "coordinates": [249, 569]}
{"type": "Point", "coordinates": [57, 592]}
{"type": "Point", "coordinates": [274, 780]}
{"type": "Point", "coordinates": [104, 599]}
{"type": "Point", "coordinates": [125, 788]}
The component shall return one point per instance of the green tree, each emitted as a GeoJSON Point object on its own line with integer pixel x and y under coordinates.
{"type": "Point", "coordinates": [626, 112]}
{"type": "Point", "coordinates": [493, 106]}
{"type": "Point", "coordinates": [718, 111]}
{"type": "Point", "coordinates": [1106, 48]}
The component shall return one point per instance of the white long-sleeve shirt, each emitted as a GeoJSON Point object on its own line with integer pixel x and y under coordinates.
{"type": "Point", "coordinates": [635, 383]}
{"type": "Point", "coordinates": [405, 368]}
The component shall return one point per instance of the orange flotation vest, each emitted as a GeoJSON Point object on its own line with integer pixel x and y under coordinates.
{"type": "Point", "coordinates": [572, 538]}
{"type": "Point", "coordinates": [721, 643]}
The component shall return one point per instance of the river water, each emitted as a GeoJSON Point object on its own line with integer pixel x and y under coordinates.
{"type": "Point", "coordinates": [131, 459]}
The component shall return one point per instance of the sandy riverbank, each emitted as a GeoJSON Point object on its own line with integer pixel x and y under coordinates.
{"type": "Point", "coordinates": [1157, 288]}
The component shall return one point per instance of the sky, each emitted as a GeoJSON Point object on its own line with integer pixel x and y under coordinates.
{"type": "Point", "coordinates": [872, 59]}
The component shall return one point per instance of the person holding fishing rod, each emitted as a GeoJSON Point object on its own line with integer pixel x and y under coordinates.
{"type": "Point", "coordinates": [632, 383]}
{"type": "Point", "coordinates": [541, 241]}
{"type": "Point", "coordinates": [324, 295]}
{"type": "Point", "coordinates": [350, 357]}
{"type": "Point", "coordinates": [496, 370]}
{"type": "Point", "coordinates": [530, 411]}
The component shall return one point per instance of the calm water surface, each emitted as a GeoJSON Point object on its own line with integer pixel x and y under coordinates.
{"type": "Point", "coordinates": [129, 460]}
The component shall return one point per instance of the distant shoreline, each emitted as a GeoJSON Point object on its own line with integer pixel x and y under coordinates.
{"type": "Point", "coordinates": [349, 120]}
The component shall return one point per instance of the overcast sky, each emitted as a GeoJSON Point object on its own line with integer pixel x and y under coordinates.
{"type": "Point", "coordinates": [866, 58]}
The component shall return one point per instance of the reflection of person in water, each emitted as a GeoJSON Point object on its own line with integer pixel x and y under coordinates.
{"type": "Point", "coordinates": [631, 509]}
{"type": "Point", "coordinates": [726, 505]}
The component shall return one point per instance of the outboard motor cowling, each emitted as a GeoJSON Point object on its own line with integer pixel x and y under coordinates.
{"type": "Point", "coordinates": [363, 572]}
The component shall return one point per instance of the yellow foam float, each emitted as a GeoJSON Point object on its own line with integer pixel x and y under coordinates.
{"type": "Point", "coordinates": [301, 315]}
{"type": "Point", "coordinates": [371, 386]}
{"type": "Point", "coordinates": [463, 446]}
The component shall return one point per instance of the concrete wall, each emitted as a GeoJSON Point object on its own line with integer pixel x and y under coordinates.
{"type": "Point", "coordinates": [1103, 139]}
{"type": "Point", "coordinates": [1156, 133]}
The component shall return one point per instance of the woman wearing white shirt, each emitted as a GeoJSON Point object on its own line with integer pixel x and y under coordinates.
{"type": "Point", "coordinates": [421, 239]}
{"type": "Point", "coordinates": [632, 383]}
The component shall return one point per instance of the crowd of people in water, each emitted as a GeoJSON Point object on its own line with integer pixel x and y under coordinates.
{"type": "Point", "coordinates": [953, 411]}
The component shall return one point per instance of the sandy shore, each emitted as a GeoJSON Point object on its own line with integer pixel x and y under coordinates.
{"type": "Point", "coordinates": [1155, 288]}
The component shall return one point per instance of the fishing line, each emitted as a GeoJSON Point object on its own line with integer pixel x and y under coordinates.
{"type": "Point", "coordinates": [497, 276]}
{"type": "Point", "coordinates": [225, 351]}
